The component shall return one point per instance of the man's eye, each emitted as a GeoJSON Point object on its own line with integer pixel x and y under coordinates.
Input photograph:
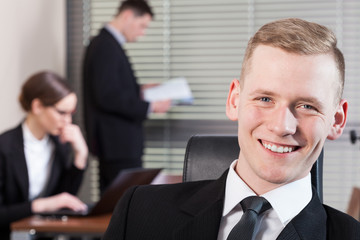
{"type": "Point", "coordinates": [308, 106]}
{"type": "Point", "coordinates": [265, 99]}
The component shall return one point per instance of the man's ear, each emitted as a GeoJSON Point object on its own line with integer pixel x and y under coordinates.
{"type": "Point", "coordinates": [233, 100]}
{"type": "Point", "coordinates": [129, 14]}
{"type": "Point", "coordinates": [125, 16]}
{"type": "Point", "coordinates": [339, 120]}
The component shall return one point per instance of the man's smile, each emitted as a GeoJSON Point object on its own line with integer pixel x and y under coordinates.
{"type": "Point", "coordinates": [277, 148]}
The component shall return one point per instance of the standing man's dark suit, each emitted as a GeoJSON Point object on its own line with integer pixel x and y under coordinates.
{"type": "Point", "coordinates": [113, 101]}
{"type": "Point", "coordinates": [193, 211]}
{"type": "Point", "coordinates": [114, 110]}
{"type": "Point", "coordinates": [14, 181]}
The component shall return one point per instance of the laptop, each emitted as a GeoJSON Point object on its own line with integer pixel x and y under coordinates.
{"type": "Point", "coordinates": [124, 180]}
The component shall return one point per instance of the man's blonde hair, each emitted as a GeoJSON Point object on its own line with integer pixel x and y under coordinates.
{"type": "Point", "coordinates": [296, 36]}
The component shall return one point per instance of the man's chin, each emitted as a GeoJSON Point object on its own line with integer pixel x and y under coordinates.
{"type": "Point", "coordinates": [276, 177]}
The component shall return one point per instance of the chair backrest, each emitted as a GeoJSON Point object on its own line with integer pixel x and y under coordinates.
{"type": "Point", "coordinates": [208, 156]}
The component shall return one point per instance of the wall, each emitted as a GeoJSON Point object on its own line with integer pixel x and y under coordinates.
{"type": "Point", "coordinates": [32, 39]}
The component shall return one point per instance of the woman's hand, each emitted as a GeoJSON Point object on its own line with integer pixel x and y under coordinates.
{"type": "Point", "coordinates": [56, 202]}
{"type": "Point", "coordinates": [71, 133]}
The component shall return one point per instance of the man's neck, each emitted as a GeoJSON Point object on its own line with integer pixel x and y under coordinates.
{"type": "Point", "coordinates": [255, 183]}
{"type": "Point", "coordinates": [116, 24]}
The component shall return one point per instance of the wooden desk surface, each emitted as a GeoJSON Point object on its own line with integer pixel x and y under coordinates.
{"type": "Point", "coordinates": [94, 224]}
{"type": "Point", "coordinates": [86, 225]}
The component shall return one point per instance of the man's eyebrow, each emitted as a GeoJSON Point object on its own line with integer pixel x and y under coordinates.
{"type": "Point", "coordinates": [264, 92]}
{"type": "Point", "coordinates": [306, 99]}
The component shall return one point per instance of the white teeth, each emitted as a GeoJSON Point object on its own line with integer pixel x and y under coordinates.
{"type": "Point", "coordinates": [277, 149]}
{"type": "Point", "coordinates": [273, 148]}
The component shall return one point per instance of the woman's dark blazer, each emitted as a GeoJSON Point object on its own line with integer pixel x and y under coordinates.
{"type": "Point", "coordinates": [14, 180]}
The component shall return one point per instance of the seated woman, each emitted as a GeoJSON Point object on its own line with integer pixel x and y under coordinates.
{"type": "Point", "coordinates": [42, 160]}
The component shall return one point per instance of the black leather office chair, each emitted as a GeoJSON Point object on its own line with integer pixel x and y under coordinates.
{"type": "Point", "coordinates": [208, 156]}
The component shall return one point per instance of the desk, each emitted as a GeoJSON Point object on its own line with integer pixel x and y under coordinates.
{"type": "Point", "coordinates": [86, 227]}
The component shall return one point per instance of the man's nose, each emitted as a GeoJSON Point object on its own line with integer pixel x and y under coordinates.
{"type": "Point", "coordinates": [282, 122]}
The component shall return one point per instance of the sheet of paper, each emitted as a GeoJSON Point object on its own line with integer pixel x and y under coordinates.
{"type": "Point", "coordinates": [176, 89]}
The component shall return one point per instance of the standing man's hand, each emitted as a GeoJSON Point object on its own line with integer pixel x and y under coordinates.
{"type": "Point", "coordinates": [143, 88]}
{"type": "Point", "coordinates": [161, 106]}
{"type": "Point", "coordinates": [149, 85]}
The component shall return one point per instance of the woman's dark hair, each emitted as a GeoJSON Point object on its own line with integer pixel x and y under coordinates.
{"type": "Point", "coordinates": [46, 86]}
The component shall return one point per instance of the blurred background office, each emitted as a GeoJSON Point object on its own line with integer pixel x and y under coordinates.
{"type": "Point", "coordinates": [33, 38]}
{"type": "Point", "coordinates": [202, 40]}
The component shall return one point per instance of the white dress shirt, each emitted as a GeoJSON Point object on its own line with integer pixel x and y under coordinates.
{"type": "Point", "coordinates": [38, 155]}
{"type": "Point", "coordinates": [286, 201]}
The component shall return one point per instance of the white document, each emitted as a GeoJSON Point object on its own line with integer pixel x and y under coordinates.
{"type": "Point", "coordinates": [176, 89]}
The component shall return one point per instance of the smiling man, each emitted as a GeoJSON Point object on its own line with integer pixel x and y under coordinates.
{"type": "Point", "coordinates": [287, 103]}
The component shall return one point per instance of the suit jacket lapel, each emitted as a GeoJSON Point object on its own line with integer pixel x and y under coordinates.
{"type": "Point", "coordinates": [17, 156]}
{"type": "Point", "coordinates": [310, 223]}
{"type": "Point", "coordinates": [289, 233]}
{"type": "Point", "coordinates": [124, 59]}
{"type": "Point", "coordinates": [129, 67]}
{"type": "Point", "coordinates": [205, 211]}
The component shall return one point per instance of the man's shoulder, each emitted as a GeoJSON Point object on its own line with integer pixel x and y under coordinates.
{"type": "Point", "coordinates": [172, 194]}
{"type": "Point", "coordinates": [335, 215]}
{"type": "Point", "coordinates": [103, 39]}
{"type": "Point", "coordinates": [175, 190]}
{"type": "Point", "coordinates": [167, 199]}
{"type": "Point", "coordinates": [341, 224]}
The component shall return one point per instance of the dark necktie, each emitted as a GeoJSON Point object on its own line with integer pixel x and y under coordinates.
{"type": "Point", "coordinates": [248, 225]}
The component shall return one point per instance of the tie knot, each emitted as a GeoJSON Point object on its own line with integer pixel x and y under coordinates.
{"type": "Point", "coordinates": [255, 203]}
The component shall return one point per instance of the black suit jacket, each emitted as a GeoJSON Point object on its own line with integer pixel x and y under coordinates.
{"type": "Point", "coordinates": [14, 180]}
{"type": "Point", "coordinates": [114, 110]}
{"type": "Point", "coordinates": [193, 211]}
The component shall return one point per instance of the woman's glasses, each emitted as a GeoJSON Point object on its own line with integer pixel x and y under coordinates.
{"type": "Point", "coordinates": [63, 113]}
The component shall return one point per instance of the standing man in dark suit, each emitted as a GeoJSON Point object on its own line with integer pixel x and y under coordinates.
{"type": "Point", "coordinates": [113, 105]}
{"type": "Point", "coordinates": [287, 102]}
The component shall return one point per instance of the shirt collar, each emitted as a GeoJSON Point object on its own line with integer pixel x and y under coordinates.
{"type": "Point", "coordinates": [235, 190]}
{"type": "Point", "coordinates": [287, 201]}
{"type": "Point", "coordinates": [120, 38]}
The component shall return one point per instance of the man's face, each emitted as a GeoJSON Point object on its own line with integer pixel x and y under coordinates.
{"type": "Point", "coordinates": [285, 109]}
{"type": "Point", "coordinates": [136, 26]}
